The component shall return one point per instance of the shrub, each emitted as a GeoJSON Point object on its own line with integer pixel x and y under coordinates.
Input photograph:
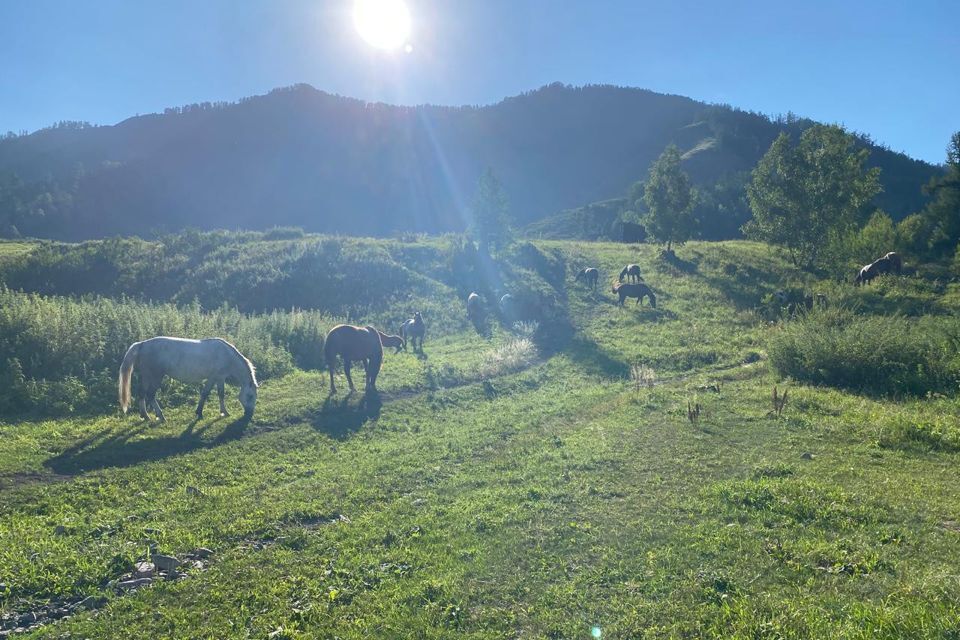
{"type": "Point", "coordinates": [883, 355]}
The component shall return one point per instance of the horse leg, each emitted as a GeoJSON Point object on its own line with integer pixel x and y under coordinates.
{"type": "Point", "coordinates": [157, 410]}
{"type": "Point", "coordinates": [220, 392]}
{"type": "Point", "coordinates": [204, 394]}
{"type": "Point", "coordinates": [143, 406]}
{"type": "Point", "coordinates": [152, 402]}
{"type": "Point", "coordinates": [333, 387]}
{"type": "Point", "coordinates": [346, 370]}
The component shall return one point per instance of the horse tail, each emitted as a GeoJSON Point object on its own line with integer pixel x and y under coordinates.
{"type": "Point", "coordinates": [126, 372]}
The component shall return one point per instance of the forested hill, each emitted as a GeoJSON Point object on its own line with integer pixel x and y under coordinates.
{"type": "Point", "coordinates": [299, 156]}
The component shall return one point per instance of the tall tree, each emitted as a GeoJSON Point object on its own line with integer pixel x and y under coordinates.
{"type": "Point", "coordinates": [942, 215]}
{"type": "Point", "coordinates": [491, 224]}
{"type": "Point", "coordinates": [803, 195]}
{"type": "Point", "coordinates": [669, 199]}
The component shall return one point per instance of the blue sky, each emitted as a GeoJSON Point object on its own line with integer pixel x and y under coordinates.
{"type": "Point", "coordinates": [884, 68]}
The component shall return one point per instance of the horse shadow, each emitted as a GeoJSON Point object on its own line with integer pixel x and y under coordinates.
{"type": "Point", "coordinates": [341, 417]}
{"type": "Point", "coordinates": [118, 448]}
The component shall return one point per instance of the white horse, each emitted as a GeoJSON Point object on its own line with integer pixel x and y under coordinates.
{"type": "Point", "coordinates": [213, 360]}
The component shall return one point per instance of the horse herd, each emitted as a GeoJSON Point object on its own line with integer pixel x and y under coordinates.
{"type": "Point", "coordinates": [215, 361]}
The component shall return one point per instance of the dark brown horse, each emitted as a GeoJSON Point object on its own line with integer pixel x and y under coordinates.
{"type": "Point", "coordinates": [637, 290]}
{"type": "Point", "coordinates": [391, 341]}
{"type": "Point", "coordinates": [354, 344]}
{"type": "Point", "coordinates": [590, 275]}
{"type": "Point", "coordinates": [631, 272]}
{"type": "Point", "coordinates": [891, 262]}
{"type": "Point", "coordinates": [412, 330]}
{"type": "Point", "coordinates": [474, 306]}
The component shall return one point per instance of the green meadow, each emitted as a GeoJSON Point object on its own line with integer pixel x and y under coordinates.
{"type": "Point", "coordinates": [606, 472]}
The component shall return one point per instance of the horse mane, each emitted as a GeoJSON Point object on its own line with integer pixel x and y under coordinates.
{"type": "Point", "coordinates": [252, 370]}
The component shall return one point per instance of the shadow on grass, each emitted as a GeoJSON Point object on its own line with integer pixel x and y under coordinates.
{"type": "Point", "coordinates": [594, 359]}
{"type": "Point", "coordinates": [118, 448]}
{"type": "Point", "coordinates": [340, 417]}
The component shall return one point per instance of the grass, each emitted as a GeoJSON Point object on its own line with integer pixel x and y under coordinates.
{"type": "Point", "coordinates": [540, 503]}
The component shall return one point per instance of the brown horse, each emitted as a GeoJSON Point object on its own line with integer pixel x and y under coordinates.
{"type": "Point", "coordinates": [634, 290]}
{"type": "Point", "coordinates": [590, 275]}
{"type": "Point", "coordinates": [354, 344]}
{"type": "Point", "coordinates": [631, 272]}
{"type": "Point", "coordinates": [391, 341]}
{"type": "Point", "coordinates": [889, 262]}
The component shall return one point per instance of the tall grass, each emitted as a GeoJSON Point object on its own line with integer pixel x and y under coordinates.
{"type": "Point", "coordinates": [882, 355]}
{"type": "Point", "coordinates": [61, 354]}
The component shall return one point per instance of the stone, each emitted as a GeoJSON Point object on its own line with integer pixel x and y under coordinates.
{"type": "Point", "coordinates": [201, 552]}
{"type": "Point", "coordinates": [136, 583]}
{"type": "Point", "coordinates": [807, 456]}
{"type": "Point", "coordinates": [91, 602]}
{"type": "Point", "coordinates": [144, 569]}
{"type": "Point", "coordinates": [165, 563]}
{"type": "Point", "coordinates": [60, 530]}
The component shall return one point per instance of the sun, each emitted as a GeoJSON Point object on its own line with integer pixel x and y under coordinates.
{"type": "Point", "coordinates": [384, 24]}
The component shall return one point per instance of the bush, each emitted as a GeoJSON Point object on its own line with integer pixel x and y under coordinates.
{"type": "Point", "coordinates": [882, 355]}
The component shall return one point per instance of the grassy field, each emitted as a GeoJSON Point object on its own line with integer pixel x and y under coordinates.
{"type": "Point", "coordinates": [548, 497]}
{"type": "Point", "coordinates": [11, 249]}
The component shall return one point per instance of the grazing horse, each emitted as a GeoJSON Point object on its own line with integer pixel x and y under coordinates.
{"type": "Point", "coordinates": [412, 330]}
{"type": "Point", "coordinates": [354, 344]}
{"type": "Point", "coordinates": [391, 341]}
{"type": "Point", "coordinates": [638, 291]}
{"type": "Point", "coordinates": [214, 360]}
{"type": "Point", "coordinates": [589, 275]}
{"type": "Point", "coordinates": [870, 271]}
{"type": "Point", "coordinates": [889, 262]}
{"type": "Point", "coordinates": [631, 272]}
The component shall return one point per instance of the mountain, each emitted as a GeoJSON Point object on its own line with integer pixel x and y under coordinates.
{"type": "Point", "coordinates": [299, 156]}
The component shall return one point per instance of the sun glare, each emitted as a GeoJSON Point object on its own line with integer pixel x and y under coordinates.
{"type": "Point", "coordinates": [384, 24]}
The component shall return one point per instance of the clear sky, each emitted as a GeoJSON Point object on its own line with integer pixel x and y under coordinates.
{"type": "Point", "coordinates": [889, 69]}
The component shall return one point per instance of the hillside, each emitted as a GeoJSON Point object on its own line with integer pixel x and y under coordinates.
{"type": "Point", "coordinates": [299, 156]}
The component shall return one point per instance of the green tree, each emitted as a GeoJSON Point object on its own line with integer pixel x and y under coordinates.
{"type": "Point", "coordinates": [669, 199]}
{"type": "Point", "coordinates": [490, 226]}
{"type": "Point", "coordinates": [804, 196]}
{"type": "Point", "coordinates": [942, 215]}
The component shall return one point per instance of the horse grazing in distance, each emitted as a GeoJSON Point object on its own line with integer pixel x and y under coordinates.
{"type": "Point", "coordinates": [354, 344]}
{"type": "Point", "coordinates": [391, 341]}
{"type": "Point", "coordinates": [412, 330]}
{"type": "Point", "coordinates": [589, 275]}
{"type": "Point", "coordinates": [214, 360]}
{"type": "Point", "coordinates": [474, 306]}
{"type": "Point", "coordinates": [638, 291]}
{"type": "Point", "coordinates": [889, 262]}
{"type": "Point", "coordinates": [631, 272]}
